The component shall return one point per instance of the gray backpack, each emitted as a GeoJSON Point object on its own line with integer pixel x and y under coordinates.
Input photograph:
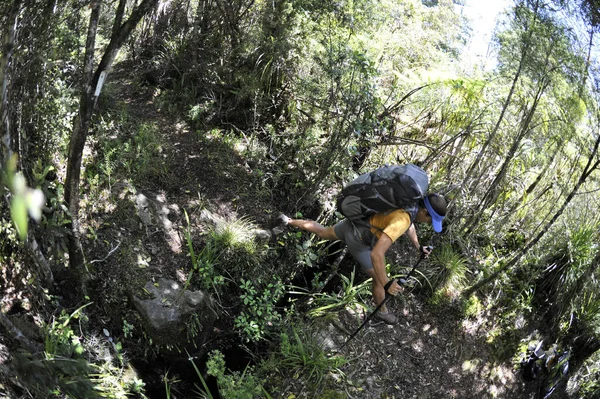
{"type": "Point", "coordinates": [383, 190]}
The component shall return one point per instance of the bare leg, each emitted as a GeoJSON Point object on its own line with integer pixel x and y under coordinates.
{"type": "Point", "coordinates": [378, 291]}
{"type": "Point", "coordinates": [326, 233]}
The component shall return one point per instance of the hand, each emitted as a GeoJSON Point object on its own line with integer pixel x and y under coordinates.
{"type": "Point", "coordinates": [425, 251]}
{"type": "Point", "coordinates": [394, 289]}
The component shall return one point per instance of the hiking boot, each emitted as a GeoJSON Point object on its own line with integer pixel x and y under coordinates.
{"type": "Point", "coordinates": [387, 317]}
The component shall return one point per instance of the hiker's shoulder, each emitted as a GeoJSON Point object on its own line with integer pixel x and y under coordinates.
{"type": "Point", "coordinates": [398, 214]}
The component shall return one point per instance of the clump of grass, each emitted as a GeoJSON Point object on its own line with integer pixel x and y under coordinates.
{"type": "Point", "coordinates": [450, 270]}
{"type": "Point", "coordinates": [204, 263]}
{"type": "Point", "coordinates": [351, 295]}
{"type": "Point", "coordinates": [234, 234]}
{"type": "Point", "coordinates": [301, 353]}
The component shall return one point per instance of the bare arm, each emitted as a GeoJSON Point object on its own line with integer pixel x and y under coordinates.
{"type": "Point", "coordinates": [412, 235]}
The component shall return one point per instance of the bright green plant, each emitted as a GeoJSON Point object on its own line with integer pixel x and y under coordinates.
{"type": "Point", "coordinates": [108, 165]}
{"type": "Point", "coordinates": [127, 155]}
{"type": "Point", "coordinates": [568, 273]}
{"type": "Point", "coordinates": [24, 200]}
{"type": "Point", "coordinates": [78, 367]}
{"type": "Point", "coordinates": [472, 306]}
{"type": "Point", "coordinates": [148, 147]}
{"type": "Point", "coordinates": [589, 378]}
{"type": "Point", "coordinates": [587, 308]}
{"type": "Point", "coordinates": [240, 256]}
{"type": "Point", "coordinates": [127, 329]}
{"type": "Point", "coordinates": [169, 382]}
{"type": "Point", "coordinates": [259, 311]}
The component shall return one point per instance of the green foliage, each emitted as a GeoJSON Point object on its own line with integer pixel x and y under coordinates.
{"type": "Point", "coordinates": [472, 306]}
{"type": "Point", "coordinates": [302, 355]}
{"type": "Point", "coordinates": [588, 378]}
{"type": "Point", "coordinates": [49, 378]}
{"type": "Point", "coordinates": [449, 270]}
{"type": "Point", "coordinates": [55, 218]}
{"type": "Point", "coordinates": [308, 247]}
{"type": "Point", "coordinates": [259, 312]}
{"type": "Point", "coordinates": [330, 394]}
{"type": "Point", "coordinates": [127, 148]}
{"type": "Point", "coordinates": [234, 234]}
{"type": "Point", "coordinates": [203, 263]}
{"type": "Point", "coordinates": [60, 338]}
{"type": "Point", "coordinates": [566, 283]}
{"type": "Point", "coordinates": [232, 384]}
{"type": "Point", "coordinates": [351, 295]}
{"type": "Point", "coordinates": [586, 307]}
{"type": "Point", "coordinates": [24, 200]}
{"type": "Point", "coordinates": [77, 367]}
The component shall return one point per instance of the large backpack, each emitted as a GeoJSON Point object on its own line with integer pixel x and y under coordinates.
{"type": "Point", "coordinates": [383, 190]}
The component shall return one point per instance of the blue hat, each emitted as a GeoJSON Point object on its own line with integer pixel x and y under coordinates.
{"type": "Point", "coordinates": [436, 219]}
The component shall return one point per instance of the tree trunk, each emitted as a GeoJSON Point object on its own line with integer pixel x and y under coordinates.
{"type": "Point", "coordinates": [493, 191]}
{"type": "Point", "coordinates": [7, 51]}
{"type": "Point", "coordinates": [589, 168]}
{"type": "Point", "coordinates": [87, 104]}
{"type": "Point", "coordinates": [76, 145]}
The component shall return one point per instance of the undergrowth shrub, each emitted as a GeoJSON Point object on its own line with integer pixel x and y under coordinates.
{"type": "Point", "coordinates": [204, 263]}
{"type": "Point", "coordinates": [568, 275]}
{"type": "Point", "coordinates": [126, 148]}
{"type": "Point", "coordinates": [77, 366]}
{"type": "Point", "coordinates": [300, 354]}
{"type": "Point", "coordinates": [350, 295]}
{"type": "Point", "coordinates": [234, 234]}
{"type": "Point", "coordinates": [587, 381]}
{"type": "Point", "coordinates": [258, 309]}
{"type": "Point", "coordinates": [472, 306]}
{"type": "Point", "coordinates": [231, 384]}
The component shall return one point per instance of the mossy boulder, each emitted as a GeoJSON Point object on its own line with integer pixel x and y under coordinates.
{"type": "Point", "coordinates": [175, 319]}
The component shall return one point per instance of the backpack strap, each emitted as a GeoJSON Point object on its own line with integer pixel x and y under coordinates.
{"type": "Point", "coordinates": [368, 226]}
{"type": "Point", "coordinates": [390, 204]}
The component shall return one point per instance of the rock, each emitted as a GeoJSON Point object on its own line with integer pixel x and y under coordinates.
{"type": "Point", "coordinates": [175, 318]}
{"type": "Point", "coordinates": [328, 334]}
{"type": "Point", "coordinates": [262, 234]}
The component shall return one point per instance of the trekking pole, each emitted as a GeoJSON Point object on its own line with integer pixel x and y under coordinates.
{"type": "Point", "coordinates": [385, 300]}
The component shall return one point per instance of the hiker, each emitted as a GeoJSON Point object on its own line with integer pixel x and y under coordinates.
{"type": "Point", "coordinates": [368, 243]}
